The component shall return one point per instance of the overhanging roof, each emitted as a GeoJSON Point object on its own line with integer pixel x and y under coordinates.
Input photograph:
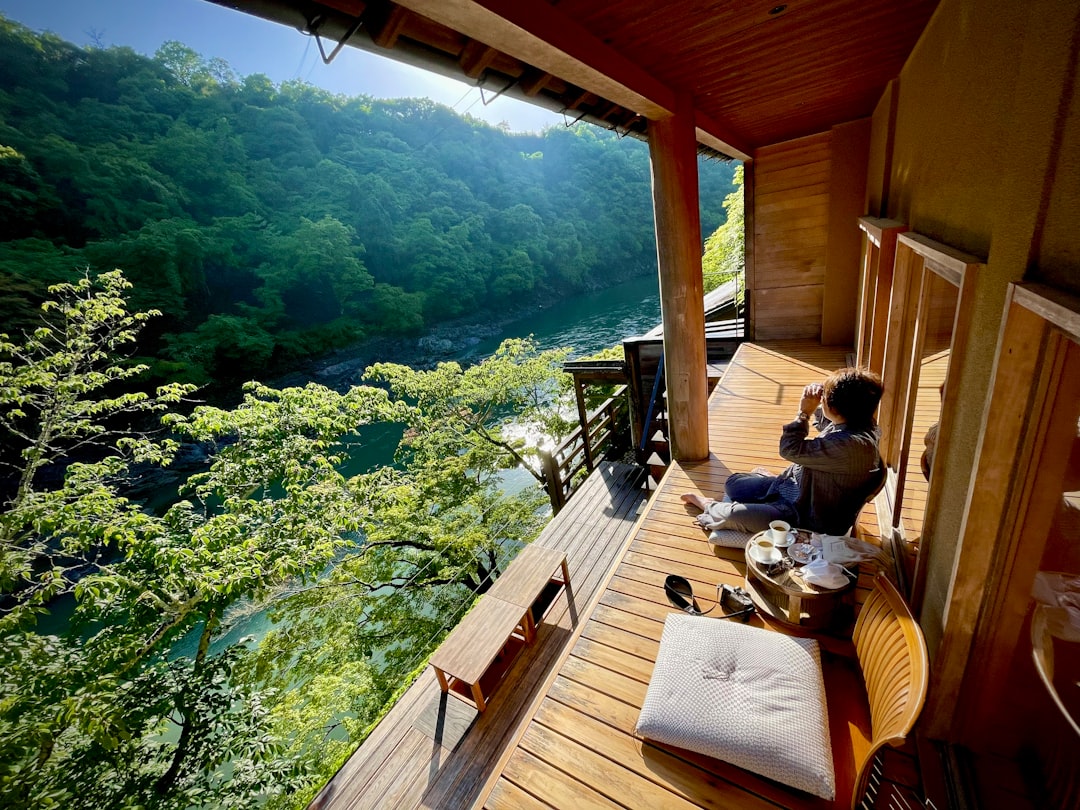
{"type": "Point", "coordinates": [759, 72]}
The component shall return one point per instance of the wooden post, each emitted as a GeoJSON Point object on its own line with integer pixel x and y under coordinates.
{"type": "Point", "coordinates": [583, 420]}
{"type": "Point", "coordinates": [636, 414]}
{"type": "Point", "coordinates": [673, 153]}
{"type": "Point", "coordinates": [554, 482]}
{"type": "Point", "coordinates": [748, 313]}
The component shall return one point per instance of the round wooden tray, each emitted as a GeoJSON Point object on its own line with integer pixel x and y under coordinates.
{"type": "Point", "coordinates": [780, 595]}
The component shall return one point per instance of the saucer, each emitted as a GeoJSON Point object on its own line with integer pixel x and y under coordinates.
{"type": "Point", "coordinates": [790, 539]}
{"type": "Point", "coordinates": [802, 553]}
{"type": "Point", "coordinates": [762, 556]}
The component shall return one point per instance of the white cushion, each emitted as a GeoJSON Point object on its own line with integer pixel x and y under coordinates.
{"type": "Point", "coordinates": [751, 697]}
{"type": "Point", "coordinates": [729, 538]}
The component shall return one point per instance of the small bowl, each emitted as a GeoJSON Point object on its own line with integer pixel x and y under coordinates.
{"type": "Point", "coordinates": [802, 553]}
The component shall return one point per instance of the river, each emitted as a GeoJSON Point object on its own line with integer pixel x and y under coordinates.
{"type": "Point", "coordinates": [586, 323]}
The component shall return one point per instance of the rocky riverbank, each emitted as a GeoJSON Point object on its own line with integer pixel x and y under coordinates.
{"type": "Point", "coordinates": [444, 341]}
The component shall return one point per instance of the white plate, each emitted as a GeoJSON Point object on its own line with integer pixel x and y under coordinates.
{"type": "Point", "coordinates": [764, 556]}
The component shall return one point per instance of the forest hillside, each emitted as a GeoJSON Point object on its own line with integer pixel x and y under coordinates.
{"type": "Point", "coordinates": [269, 223]}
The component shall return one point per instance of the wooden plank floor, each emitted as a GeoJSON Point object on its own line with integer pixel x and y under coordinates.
{"type": "Point", "coordinates": [578, 749]}
{"type": "Point", "coordinates": [433, 749]}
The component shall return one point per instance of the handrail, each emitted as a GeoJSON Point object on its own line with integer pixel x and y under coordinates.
{"type": "Point", "coordinates": [562, 464]}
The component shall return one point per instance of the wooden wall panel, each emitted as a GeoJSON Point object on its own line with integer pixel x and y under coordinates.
{"type": "Point", "coordinates": [791, 228]}
{"type": "Point", "coordinates": [792, 309]}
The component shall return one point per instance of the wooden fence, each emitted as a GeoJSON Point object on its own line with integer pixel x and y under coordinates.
{"type": "Point", "coordinates": [567, 465]}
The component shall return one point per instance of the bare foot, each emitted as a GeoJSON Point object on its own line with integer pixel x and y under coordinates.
{"type": "Point", "coordinates": [694, 499]}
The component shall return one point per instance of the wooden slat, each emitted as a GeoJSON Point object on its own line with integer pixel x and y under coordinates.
{"type": "Point", "coordinates": [591, 530]}
{"type": "Point", "coordinates": [534, 774]}
{"type": "Point", "coordinates": [790, 312]}
{"type": "Point", "coordinates": [584, 765]}
{"type": "Point", "coordinates": [791, 221]}
{"type": "Point", "coordinates": [508, 796]}
{"type": "Point", "coordinates": [559, 732]}
{"type": "Point", "coordinates": [583, 728]}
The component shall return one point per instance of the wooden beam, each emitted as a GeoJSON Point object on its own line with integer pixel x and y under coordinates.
{"type": "Point", "coordinates": [711, 133]}
{"type": "Point", "coordinates": [849, 150]}
{"type": "Point", "coordinates": [673, 153]}
{"type": "Point", "coordinates": [876, 288]}
{"type": "Point", "coordinates": [354, 8]}
{"type": "Point", "coordinates": [389, 29]}
{"type": "Point", "coordinates": [475, 58]}
{"type": "Point", "coordinates": [608, 111]}
{"type": "Point", "coordinates": [532, 81]}
{"type": "Point", "coordinates": [749, 249]}
{"type": "Point", "coordinates": [1007, 461]}
{"type": "Point", "coordinates": [584, 97]}
{"type": "Point", "coordinates": [542, 36]}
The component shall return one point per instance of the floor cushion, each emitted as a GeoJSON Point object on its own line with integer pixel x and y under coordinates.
{"type": "Point", "coordinates": [751, 697]}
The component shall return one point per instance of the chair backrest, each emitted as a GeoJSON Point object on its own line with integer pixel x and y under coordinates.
{"type": "Point", "coordinates": [883, 476]}
{"type": "Point", "coordinates": [896, 670]}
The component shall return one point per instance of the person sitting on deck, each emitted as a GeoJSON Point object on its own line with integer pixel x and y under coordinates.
{"type": "Point", "coordinates": [830, 476]}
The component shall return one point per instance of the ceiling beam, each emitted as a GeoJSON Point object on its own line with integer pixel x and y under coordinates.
{"type": "Point", "coordinates": [540, 35]}
{"type": "Point", "coordinates": [475, 58]}
{"type": "Point", "coordinates": [712, 134]}
{"type": "Point", "coordinates": [389, 28]}
{"type": "Point", "coordinates": [533, 81]}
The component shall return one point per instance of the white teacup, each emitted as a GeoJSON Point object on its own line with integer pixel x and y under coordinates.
{"type": "Point", "coordinates": [780, 532]}
{"type": "Point", "coordinates": [765, 551]}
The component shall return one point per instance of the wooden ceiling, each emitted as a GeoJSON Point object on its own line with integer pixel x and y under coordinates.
{"type": "Point", "coordinates": [759, 72]}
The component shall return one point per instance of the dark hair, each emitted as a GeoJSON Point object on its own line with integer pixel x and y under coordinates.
{"type": "Point", "coordinates": [854, 394]}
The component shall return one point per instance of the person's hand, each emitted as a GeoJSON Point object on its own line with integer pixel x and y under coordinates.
{"type": "Point", "coordinates": [811, 398]}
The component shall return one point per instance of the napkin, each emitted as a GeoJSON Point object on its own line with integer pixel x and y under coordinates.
{"type": "Point", "coordinates": [824, 574]}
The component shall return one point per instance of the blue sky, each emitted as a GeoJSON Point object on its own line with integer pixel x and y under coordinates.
{"type": "Point", "coordinates": [252, 45]}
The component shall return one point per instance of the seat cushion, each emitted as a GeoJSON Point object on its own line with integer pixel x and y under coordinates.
{"type": "Point", "coordinates": [751, 697]}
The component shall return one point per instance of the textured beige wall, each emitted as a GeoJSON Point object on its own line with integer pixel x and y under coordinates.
{"type": "Point", "coordinates": [880, 158]}
{"type": "Point", "coordinates": [986, 158]}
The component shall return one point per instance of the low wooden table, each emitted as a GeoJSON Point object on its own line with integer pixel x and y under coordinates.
{"type": "Point", "coordinates": [478, 652]}
{"type": "Point", "coordinates": [531, 581]}
{"type": "Point", "coordinates": [780, 595]}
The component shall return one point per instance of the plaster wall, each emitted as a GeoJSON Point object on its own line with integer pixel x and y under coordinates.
{"type": "Point", "coordinates": [985, 157]}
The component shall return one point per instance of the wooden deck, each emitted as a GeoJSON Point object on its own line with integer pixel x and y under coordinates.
{"type": "Point", "coordinates": [578, 749]}
{"type": "Point", "coordinates": [434, 750]}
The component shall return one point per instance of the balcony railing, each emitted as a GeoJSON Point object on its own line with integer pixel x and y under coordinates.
{"type": "Point", "coordinates": [567, 465]}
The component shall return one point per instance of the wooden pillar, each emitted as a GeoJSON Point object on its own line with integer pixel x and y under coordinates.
{"type": "Point", "coordinates": [673, 153]}
{"type": "Point", "coordinates": [583, 420]}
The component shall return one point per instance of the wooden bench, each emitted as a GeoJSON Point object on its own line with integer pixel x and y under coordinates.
{"type": "Point", "coordinates": [478, 652]}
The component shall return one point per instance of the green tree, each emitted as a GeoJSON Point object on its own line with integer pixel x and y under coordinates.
{"type": "Point", "coordinates": [725, 256]}
{"type": "Point", "coordinates": [480, 417]}
{"type": "Point", "coordinates": [433, 532]}
{"type": "Point", "coordinates": [106, 714]}
{"type": "Point", "coordinates": [140, 702]}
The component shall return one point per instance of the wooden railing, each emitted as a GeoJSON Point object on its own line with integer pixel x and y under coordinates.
{"type": "Point", "coordinates": [580, 450]}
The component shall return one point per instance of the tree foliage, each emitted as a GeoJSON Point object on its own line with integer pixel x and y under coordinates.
{"type": "Point", "coordinates": [725, 256]}
{"type": "Point", "coordinates": [120, 683]}
{"type": "Point", "coordinates": [293, 217]}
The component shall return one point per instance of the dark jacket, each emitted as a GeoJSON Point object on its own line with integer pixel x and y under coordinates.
{"type": "Point", "coordinates": [837, 471]}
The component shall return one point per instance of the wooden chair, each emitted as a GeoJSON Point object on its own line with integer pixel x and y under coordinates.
{"type": "Point", "coordinates": [895, 668]}
{"type": "Point", "coordinates": [1058, 744]}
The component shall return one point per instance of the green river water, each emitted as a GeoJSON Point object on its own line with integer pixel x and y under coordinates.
{"type": "Point", "coordinates": [585, 323]}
